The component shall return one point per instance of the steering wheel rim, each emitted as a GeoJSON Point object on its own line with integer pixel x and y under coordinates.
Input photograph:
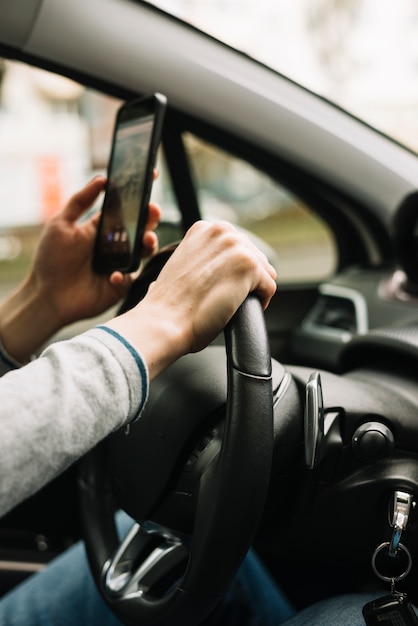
{"type": "Point", "coordinates": [216, 548]}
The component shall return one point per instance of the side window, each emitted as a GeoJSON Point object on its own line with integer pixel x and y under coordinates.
{"type": "Point", "coordinates": [55, 135]}
{"type": "Point", "coordinates": [296, 240]}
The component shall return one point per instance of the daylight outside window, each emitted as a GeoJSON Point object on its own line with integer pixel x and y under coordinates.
{"type": "Point", "coordinates": [297, 242]}
{"type": "Point", "coordinates": [360, 54]}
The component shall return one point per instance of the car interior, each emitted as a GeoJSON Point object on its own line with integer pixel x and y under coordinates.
{"type": "Point", "coordinates": [296, 432]}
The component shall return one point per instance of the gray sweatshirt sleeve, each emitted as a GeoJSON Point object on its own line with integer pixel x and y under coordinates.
{"type": "Point", "coordinates": [56, 408]}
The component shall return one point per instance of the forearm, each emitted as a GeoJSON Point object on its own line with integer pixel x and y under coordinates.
{"type": "Point", "coordinates": [55, 409]}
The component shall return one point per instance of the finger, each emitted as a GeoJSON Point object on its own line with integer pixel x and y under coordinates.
{"type": "Point", "coordinates": [94, 220]}
{"type": "Point", "coordinates": [263, 273]}
{"type": "Point", "coordinates": [120, 282]}
{"type": "Point", "coordinates": [260, 255]}
{"type": "Point", "coordinates": [150, 244]}
{"type": "Point", "coordinates": [264, 285]}
{"type": "Point", "coordinates": [265, 290]}
{"type": "Point", "coordinates": [154, 216]}
{"type": "Point", "coordinates": [83, 199]}
{"type": "Point", "coordinates": [266, 265]}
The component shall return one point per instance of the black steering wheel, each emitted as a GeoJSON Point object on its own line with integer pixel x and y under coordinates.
{"type": "Point", "coordinates": [193, 477]}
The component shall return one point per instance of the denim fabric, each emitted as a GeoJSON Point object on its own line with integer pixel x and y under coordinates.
{"type": "Point", "coordinates": [253, 599]}
{"type": "Point", "coordinates": [64, 594]}
{"type": "Point", "coordinates": [343, 610]}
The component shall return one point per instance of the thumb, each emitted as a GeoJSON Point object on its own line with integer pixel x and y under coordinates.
{"type": "Point", "coordinates": [83, 199]}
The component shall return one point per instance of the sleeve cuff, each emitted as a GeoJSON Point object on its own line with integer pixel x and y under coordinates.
{"type": "Point", "coordinates": [142, 368]}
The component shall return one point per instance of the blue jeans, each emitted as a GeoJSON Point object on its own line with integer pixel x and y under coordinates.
{"type": "Point", "coordinates": [64, 594]}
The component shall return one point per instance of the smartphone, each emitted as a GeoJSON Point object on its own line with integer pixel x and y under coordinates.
{"type": "Point", "coordinates": [136, 137]}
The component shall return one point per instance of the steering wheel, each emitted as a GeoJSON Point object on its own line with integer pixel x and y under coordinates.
{"type": "Point", "coordinates": [193, 476]}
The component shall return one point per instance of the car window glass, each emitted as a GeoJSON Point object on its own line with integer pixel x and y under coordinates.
{"type": "Point", "coordinates": [55, 135]}
{"type": "Point", "coordinates": [170, 228]}
{"type": "Point", "coordinates": [298, 242]}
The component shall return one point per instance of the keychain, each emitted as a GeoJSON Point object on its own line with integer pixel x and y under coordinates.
{"type": "Point", "coordinates": [391, 562]}
{"type": "Point", "coordinates": [394, 609]}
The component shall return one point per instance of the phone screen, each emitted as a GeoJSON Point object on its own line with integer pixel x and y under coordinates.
{"type": "Point", "coordinates": [129, 181]}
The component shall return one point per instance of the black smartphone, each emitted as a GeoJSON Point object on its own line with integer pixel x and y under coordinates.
{"type": "Point", "coordinates": [136, 138]}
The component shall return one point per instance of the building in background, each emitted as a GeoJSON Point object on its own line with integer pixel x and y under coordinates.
{"type": "Point", "coordinates": [54, 135]}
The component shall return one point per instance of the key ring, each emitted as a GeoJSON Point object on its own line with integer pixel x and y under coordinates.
{"type": "Point", "coordinates": [400, 549]}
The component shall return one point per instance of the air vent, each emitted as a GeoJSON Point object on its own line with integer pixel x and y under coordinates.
{"type": "Point", "coordinates": [334, 312]}
{"type": "Point", "coordinates": [338, 311]}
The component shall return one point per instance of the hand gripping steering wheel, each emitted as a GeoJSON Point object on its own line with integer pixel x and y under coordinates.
{"type": "Point", "coordinates": [160, 574]}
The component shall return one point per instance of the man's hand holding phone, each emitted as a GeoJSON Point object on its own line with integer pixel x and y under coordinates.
{"type": "Point", "coordinates": [70, 286]}
{"type": "Point", "coordinates": [61, 287]}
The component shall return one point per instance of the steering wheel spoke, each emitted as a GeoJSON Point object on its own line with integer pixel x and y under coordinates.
{"type": "Point", "coordinates": [148, 560]}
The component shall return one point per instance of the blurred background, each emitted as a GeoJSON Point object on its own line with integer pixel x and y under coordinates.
{"type": "Point", "coordinates": [361, 54]}
{"type": "Point", "coordinates": [55, 134]}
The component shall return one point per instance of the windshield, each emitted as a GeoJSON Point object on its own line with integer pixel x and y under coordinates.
{"type": "Point", "coordinates": [360, 54]}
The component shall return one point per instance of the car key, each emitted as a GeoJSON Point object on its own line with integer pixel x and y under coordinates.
{"type": "Point", "coordinates": [391, 610]}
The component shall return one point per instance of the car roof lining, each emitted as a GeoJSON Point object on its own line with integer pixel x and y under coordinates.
{"type": "Point", "coordinates": [17, 20]}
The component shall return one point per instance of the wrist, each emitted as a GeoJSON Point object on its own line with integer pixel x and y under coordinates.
{"type": "Point", "coordinates": [26, 321]}
{"type": "Point", "coordinates": [158, 339]}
